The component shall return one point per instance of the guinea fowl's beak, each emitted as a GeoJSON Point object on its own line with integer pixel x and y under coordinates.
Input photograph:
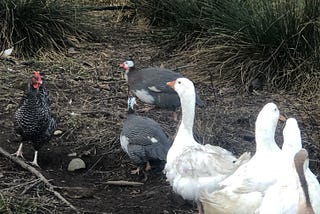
{"type": "Point", "coordinates": [122, 65]}
{"type": "Point", "coordinates": [171, 84]}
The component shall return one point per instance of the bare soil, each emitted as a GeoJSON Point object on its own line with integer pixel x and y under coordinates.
{"type": "Point", "coordinates": [89, 97]}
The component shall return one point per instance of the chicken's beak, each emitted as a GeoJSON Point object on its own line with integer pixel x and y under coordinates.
{"type": "Point", "coordinates": [171, 84]}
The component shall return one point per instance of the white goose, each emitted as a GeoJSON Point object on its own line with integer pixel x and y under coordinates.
{"type": "Point", "coordinates": [192, 167]}
{"type": "Point", "coordinates": [283, 197]}
{"type": "Point", "coordinates": [243, 190]}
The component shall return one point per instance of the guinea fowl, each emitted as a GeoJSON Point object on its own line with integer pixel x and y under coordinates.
{"type": "Point", "coordinates": [33, 119]}
{"type": "Point", "coordinates": [149, 85]}
{"type": "Point", "coordinates": [143, 140]}
{"type": "Point", "coordinates": [192, 167]}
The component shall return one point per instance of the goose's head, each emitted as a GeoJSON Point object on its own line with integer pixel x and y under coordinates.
{"type": "Point", "coordinates": [183, 86]}
{"type": "Point", "coordinates": [291, 137]}
{"type": "Point", "coordinates": [268, 117]}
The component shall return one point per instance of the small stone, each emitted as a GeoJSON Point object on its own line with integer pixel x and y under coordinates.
{"type": "Point", "coordinates": [76, 164]}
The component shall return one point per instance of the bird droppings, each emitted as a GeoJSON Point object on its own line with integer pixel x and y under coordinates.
{"type": "Point", "coordinates": [57, 132]}
{"type": "Point", "coordinates": [76, 164]}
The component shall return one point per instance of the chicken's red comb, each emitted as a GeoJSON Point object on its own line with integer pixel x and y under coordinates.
{"type": "Point", "coordinates": [38, 76]}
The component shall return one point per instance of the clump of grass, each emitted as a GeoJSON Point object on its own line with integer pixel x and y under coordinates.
{"type": "Point", "coordinates": [32, 26]}
{"type": "Point", "coordinates": [16, 205]}
{"type": "Point", "coordinates": [277, 41]}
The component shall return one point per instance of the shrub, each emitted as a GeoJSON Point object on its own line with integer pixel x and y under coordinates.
{"type": "Point", "coordinates": [277, 41]}
{"type": "Point", "coordinates": [35, 25]}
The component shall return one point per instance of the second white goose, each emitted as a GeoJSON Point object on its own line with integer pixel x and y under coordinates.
{"type": "Point", "coordinates": [243, 190]}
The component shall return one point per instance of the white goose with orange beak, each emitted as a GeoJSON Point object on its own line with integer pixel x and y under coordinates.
{"type": "Point", "coordinates": [192, 167]}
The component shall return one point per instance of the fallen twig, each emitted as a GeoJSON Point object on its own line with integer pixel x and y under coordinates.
{"type": "Point", "coordinates": [39, 175]}
{"type": "Point", "coordinates": [124, 183]}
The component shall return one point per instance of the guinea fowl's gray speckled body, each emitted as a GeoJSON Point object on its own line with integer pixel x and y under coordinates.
{"type": "Point", "coordinates": [150, 86]}
{"type": "Point", "coordinates": [144, 140]}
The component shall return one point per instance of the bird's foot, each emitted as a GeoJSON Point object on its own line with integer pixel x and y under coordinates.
{"type": "Point", "coordinates": [200, 208]}
{"type": "Point", "coordinates": [146, 108]}
{"type": "Point", "coordinates": [18, 153]}
{"type": "Point", "coordinates": [135, 171]}
{"type": "Point", "coordinates": [35, 160]}
{"type": "Point", "coordinates": [35, 163]}
{"type": "Point", "coordinates": [175, 116]}
{"type": "Point", "coordinates": [148, 166]}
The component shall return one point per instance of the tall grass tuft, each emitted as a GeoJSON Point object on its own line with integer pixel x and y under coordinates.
{"type": "Point", "coordinates": [35, 25]}
{"type": "Point", "coordinates": [277, 41]}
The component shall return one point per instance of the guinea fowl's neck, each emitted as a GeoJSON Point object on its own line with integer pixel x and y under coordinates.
{"type": "Point", "coordinates": [188, 112]}
{"type": "Point", "coordinates": [129, 74]}
{"type": "Point", "coordinates": [130, 111]}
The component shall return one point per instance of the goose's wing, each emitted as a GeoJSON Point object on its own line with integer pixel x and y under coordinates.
{"type": "Point", "coordinates": [226, 201]}
{"type": "Point", "coordinates": [203, 161]}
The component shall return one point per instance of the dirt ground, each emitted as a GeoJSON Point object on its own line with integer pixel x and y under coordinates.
{"type": "Point", "coordinates": [89, 97]}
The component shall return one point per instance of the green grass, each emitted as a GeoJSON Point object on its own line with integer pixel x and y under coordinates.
{"type": "Point", "coordinates": [277, 41]}
{"type": "Point", "coordinates": [32, 26]}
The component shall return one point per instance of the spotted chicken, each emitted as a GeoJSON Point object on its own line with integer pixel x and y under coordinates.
{"type": "Point", "coordinates": [33, 120]}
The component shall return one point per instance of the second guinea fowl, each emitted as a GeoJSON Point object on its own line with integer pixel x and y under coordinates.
{"type": "Point", "coordinates": [192, 167]}
{"type": "Point", "coordinates": [143, 140]}
{"type": "Point", "coordinates": [149, 85]}
{"type": "Point", "coordinates": [33, 119]}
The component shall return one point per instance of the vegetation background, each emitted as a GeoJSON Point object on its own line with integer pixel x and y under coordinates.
{"type": "Point", "coordinates": [240, 53]}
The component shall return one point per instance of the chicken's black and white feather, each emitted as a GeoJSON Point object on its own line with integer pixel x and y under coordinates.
{"type": "Point", "coordinates": [33, 119]}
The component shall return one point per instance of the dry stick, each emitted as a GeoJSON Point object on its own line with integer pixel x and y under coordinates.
{"type": "Point", "coordinates": [39, 175]}
{"type": "Point", "coordinates": [124, 183]}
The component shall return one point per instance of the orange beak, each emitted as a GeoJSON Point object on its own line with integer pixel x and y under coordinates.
{"type": "Point", "coordinates": [282, 118]}
{"type": "Point", "coordinates": [171, 84]}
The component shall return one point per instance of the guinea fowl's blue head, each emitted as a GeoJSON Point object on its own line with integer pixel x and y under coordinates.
{"type": "Point", "coordinates": [36, 80]}
{"type": "Point", "coordinates": [131, 102]}
{"type": "Point", "coordinates": [127, 65]}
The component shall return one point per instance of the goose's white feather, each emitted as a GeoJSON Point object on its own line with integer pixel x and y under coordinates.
{"type": "Point", "coordinates": [242, 191]}
{"type": "Point", "coordinates": [192, 167]}
{"type": "Point", "coordinates": [283, 197]}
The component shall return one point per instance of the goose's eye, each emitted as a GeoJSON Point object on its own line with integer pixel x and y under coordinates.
{"type": "Point", "coordinates": [179, 82]}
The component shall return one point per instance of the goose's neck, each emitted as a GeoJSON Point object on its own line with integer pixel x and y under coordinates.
{"type": "Point", "coordinates": [265, 140]}
{"type": "Point", "coordinates": [188, 112]}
